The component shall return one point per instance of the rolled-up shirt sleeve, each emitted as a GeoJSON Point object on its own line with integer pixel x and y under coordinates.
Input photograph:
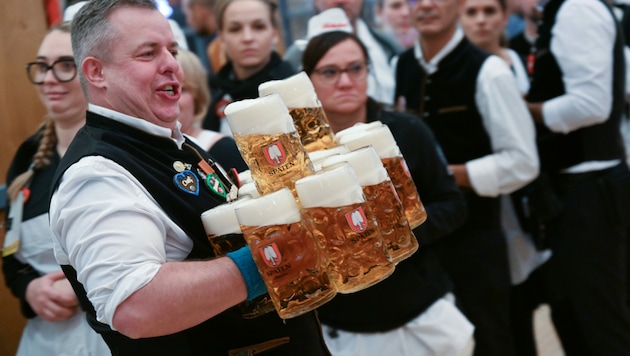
{"type": "Point", "coordinates": [514, 160]}
{"type": "Point", "coordinates": [583, 50]}
{"type": "Point", "coordinates": [107, 226]}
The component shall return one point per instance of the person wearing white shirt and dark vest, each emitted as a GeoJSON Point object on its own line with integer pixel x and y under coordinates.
{"type": "Point", "coordinates": [125, 209]}
{"type": "Point", "coordinates": [471, 102]}
{"type": "Point", "coordinates": [576, 99]}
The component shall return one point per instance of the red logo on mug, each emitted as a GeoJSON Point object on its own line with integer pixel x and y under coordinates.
{"type": "Point", "coordinates": [270, 254]}
{"type": "Point", "coordinates": [275, 154]}
{"type": "Point", "coordinates": [356, 220]}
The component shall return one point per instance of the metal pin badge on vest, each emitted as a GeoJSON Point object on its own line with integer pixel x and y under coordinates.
{"type": "Point", "coordinates": [187, 182]}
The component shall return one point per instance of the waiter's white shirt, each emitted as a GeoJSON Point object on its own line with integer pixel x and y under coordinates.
{"type": "Point", "coordinates": [109, 228]}
{"type": "Point", "coordinates": [583, 50]}
{"type": "Point", "coordinates": [514, 161]}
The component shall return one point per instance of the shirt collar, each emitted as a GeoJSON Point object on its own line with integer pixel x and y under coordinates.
{"type": "Point", "coordinates": [432, 66]}
{"type": "Point", "coordinates": [140, 124]}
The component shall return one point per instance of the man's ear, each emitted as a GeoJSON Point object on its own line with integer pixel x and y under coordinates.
{"type": "Point", "coordinates": [92, 69]}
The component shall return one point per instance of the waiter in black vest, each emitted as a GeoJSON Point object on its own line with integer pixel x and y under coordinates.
{"type": "Point", "coordinates": [470, 100]}
{"type": "Point", "coordinates": [576, 99]}
{"type": "Point", "coordinates": [125, 213]}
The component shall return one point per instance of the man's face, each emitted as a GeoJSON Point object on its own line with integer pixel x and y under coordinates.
{"type": "Point", "coordinates": [435, 18]}
{"type": "Point", "coordinates": [352, 8]}
{"type": "Point", "coordinates": [141, 77]}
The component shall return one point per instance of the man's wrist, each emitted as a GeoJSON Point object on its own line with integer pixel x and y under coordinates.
{"type": "Point", "coordinates": [242, 258]}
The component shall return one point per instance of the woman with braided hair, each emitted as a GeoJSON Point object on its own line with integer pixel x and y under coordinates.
{"type": "Point", "coordinates": [56, 324]}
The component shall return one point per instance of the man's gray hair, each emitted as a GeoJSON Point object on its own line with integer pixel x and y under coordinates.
{"type": "Point", "coordinates": [92, 33]}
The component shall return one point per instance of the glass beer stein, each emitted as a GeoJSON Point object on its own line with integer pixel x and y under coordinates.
{"type": "Point", "coordinates": [224, 234]}
{"type": "Point", "coordinates": [309, 117]}
{"type": "Point", "coordinates": [345, 228]}
{"type": "Point", "coordinates": [381, 138]}
{"type": "Point", "coordinates": [285, 253]}
{"type": "Point", "coordinates": [267, 139]}
{"type": "Point", "coordinates": [382, 199]}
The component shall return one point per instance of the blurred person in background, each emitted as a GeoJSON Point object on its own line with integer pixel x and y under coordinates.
{"type": "Point", "coordinates": [394, 16]}
{"type": "Point", "coordinates": [483, 22]}
{"type": "Point", "coordinates": [577, 99]}
{"type": "Point", "coordinates": [383, 48]}
{"type": "Point", "coordinates": [200, 17]}
{"type": "Point", "coordinates": [56, 324]}
{"type": "Point", "coordinates": [193, 105]}
{"type": "Point", "coordinates": [248, 32]}
{"type": "Point", "coordinates": [470, 100]}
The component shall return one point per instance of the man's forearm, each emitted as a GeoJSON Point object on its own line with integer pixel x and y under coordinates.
{"type": "Point", "coordinates": [180, 296]}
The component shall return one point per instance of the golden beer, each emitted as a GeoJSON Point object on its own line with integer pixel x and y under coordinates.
{"type": "Point", "coordinates": [275, 160]}
{"type": "Point", "coordinates": [352, 243]}
{"type": "Point", "coordinates": [405, 187]}
{"type": "Point", "coordinates": [292, 268]}
{"type": "Point", "coordinates": [392, 221]}
{"type": "Point", "coordinates": [313, 127]}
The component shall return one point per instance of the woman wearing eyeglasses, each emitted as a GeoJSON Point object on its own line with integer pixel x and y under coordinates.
{"type": "Point", "coordinates": [56, 325]}
{"type": "Point", "coordinates": [410, 312]}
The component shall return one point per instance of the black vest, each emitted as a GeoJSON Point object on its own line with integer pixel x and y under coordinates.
{"type": "Point", "coordinates": [446, 102]}
{"type": "Point", "coordinates": [150, 159]}
{"type": "Point", "coordinates": [597, 142]}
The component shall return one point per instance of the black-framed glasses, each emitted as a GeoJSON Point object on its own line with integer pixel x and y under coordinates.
{"type": "Point", "coordinates": [331, 74]}
{"type": "Point", "coordinates": [64, 70]}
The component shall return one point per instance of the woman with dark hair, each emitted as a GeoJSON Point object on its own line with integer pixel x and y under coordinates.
{"type": "Point", "coordinates": [411, 312]}
{"type": "Point", "coordinates": [248, 33]}
{"type": "Point", "coordinates": [56, 324]}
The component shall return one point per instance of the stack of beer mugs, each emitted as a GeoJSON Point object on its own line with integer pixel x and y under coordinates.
{"type": "Point", "coordinates": [382, 199]}
{"type": "Point", "coordinates": [313, 234]}
{"type": "Point", "coordinates": [284, 250]}
{"type": "Point", "coordinates": [380, 137]}
{"type": "Point", "coordinates": [345, 228]}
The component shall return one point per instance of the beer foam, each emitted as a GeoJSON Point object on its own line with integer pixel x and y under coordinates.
{"type": "Point", "coordinates": [264, 115]}
{"type": "Point", "coordinates": [358, 127]}
{"type": "Point", "coordinates": [248, 189]}
{"type": "Point", "coordinates": [275, 208]}
{"type": "Point", "coordinates": [296, 91]}
{"type": "Point", "coordinates": [221, 220]}
{"type": "Point", "coordinates": [380, 138]}
{"type": "Point", "coordinates": [245, 177]}
{"type": "Point", "coordinates": [337, 186]}
{"type": "Point", "coordinates": [320, 155]}
{"type": "Point", "coordinates": [366, 165]}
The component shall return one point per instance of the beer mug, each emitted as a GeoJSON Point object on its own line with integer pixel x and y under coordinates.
{"type": "Point", "coordinates": [309, 117]}
{"type": "Point", "coordinates": [285, 253]}
{"type": "Point", "coordinates": [345, 228]}
{"type": "Point", "coordinates": [224, 234]}
{"type": "Point", "coordinates": [245, 177]}
{"type": "Point", "coordinates": [248, 190]}
{"type": "Point", "coordinates": [265, 135]}
{"type": "Point", "coordinates": [382, 199]}
{"type": "Point", "coordinates": [381, 138]}
{"type": "Point", "coordinates": [317, 157]}
{"type": "Point", "coordinates": [358, 127]}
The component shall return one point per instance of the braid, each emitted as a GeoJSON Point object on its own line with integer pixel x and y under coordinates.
{"type": "Point", "coordinates": [47, 144]}
{"type": "Point", "coordinates": [41, 159]}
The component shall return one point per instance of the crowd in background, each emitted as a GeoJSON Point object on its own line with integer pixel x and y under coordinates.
{"type": "Point", "coordinates": [513, 119]}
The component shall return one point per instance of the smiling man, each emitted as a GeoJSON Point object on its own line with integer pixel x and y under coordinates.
{"type": "Point", "coordinates": [125, 218]}
{"type": "Point", "coordinates": [470, 100]}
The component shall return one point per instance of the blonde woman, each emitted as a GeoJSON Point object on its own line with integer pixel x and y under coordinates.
{"type": "Point", "coordinates": [56, 324]}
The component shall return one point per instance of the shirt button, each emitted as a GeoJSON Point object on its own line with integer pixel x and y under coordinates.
{"type": "Point", "coordinates": [425, 114]}
{"type": "Point", "coordinates": [427, 98]}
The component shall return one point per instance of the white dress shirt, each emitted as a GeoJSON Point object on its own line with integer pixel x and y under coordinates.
{"type": "Point", "coordinates": [514, 161]}
{"type": "Point", "coordinates": [381, 82]}
{"type": "Point", "coordinates": [109, 228]}
{"type": "Point", "coordinates": [583, 51]}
